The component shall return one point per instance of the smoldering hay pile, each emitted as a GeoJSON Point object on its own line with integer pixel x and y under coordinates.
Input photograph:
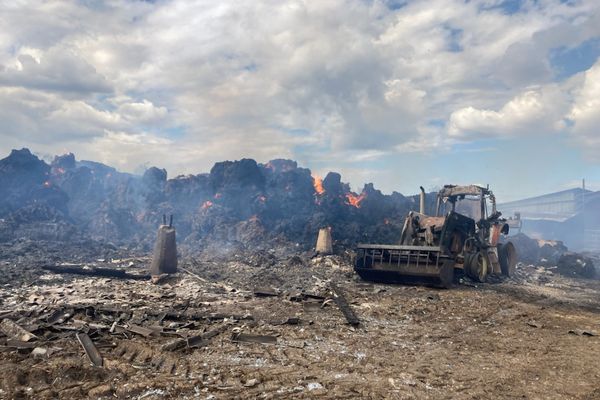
{"type": "Point", "coordinates": [237, 203]}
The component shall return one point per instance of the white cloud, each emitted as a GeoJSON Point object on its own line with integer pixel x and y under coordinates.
{"type": "Point", "coordinates": [44, 118]}
{"type": "Point", "coordinates": [142, 112]}
{"type": "Point", "coordinates": [307, 80]}
{"type": "Point", "coordinates": [585, 115]}
{"type": "Point", "coordinates": [54, 70]}
{"type": "Point", "coordinates": [535, 111]}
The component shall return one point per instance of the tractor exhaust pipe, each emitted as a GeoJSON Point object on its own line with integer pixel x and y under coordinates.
{"type": "Point", "coordinates": [422, 201]}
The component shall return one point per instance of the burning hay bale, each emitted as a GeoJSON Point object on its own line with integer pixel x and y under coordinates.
{"type": "Point", "coordinates": [551, 251]}
{"type": "Point", "coordinates": [538, 251]}
{"type": "Point", "coordinates": [527, 248]}
{"type": "Point", "coordinates": [553, 254]}
{"type": "Point", "coordinates": [576, 265]}
{"type": "Point", "coordinates": [238, 201]}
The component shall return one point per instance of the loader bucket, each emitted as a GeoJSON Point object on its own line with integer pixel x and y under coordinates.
{"type": "Point", "coordinates": [424, 265]}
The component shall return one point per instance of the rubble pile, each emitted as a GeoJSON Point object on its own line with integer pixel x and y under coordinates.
{"type": "Point", "coordinates": [237, 202]}
{"type": "Point", "coordinates": [576, 265]}
{"type": "Point", "coordinates": [554, 256]}
{"type": "Point", "coordinates": [551, 251]}
{"type": "Point", "coordinates": [528, 249]}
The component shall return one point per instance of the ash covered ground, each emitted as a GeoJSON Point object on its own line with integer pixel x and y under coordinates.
{"type": "Point", "coordinates": [253, 312]}
{"type": "Point", "coordinates": [263, 324]}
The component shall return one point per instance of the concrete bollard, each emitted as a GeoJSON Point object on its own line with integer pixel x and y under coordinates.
{"type": "Point", "coordinates": [324, 243]}
{"type": "Point", "coordinates": [164, 260]}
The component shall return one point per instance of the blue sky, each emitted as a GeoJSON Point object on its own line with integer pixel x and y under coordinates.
{"type": "Point", "coordinates": [398, 93]}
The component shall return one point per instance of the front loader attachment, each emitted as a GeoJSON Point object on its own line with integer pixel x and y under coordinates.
{"type": "Point", "coordinates": [404, 264]}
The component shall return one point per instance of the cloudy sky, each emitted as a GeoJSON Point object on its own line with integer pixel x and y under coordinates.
{"type": "Point", "coordinates": [395, 92]}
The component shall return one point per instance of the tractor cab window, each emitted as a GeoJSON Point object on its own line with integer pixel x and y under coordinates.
{"type": "Point", "coordinates": [467, 205]}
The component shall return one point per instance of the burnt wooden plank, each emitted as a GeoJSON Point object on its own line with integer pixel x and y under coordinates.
{"type": "Point", "coordinates": [59, 316]}
{"type": "Point", "coordinates": [19, 344]}
{"type": "Point", "coordinates": [263, 339]}
{"type": "Point", "coordinates": [14, 331]}
{"type": "Point", "coordinates": [103, 272]}
{"type": "Point", "coordinates": [90, 349]}
{"type": "Point", "coordinates": [196, 341]}
{"type": "Point", "coordinates": [140, 330]}
{"type": "Point", "coordinates": [265, 292]}
{"type": "Point", "coordinates": [174, 344]}
{"type": "Point", "coordinates": [342, 303]}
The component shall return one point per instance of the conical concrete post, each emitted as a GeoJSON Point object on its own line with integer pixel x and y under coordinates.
{"type": "Point", "coordinates": [164, 259]}
{"type": "Point", "coordinates": [324, 242]}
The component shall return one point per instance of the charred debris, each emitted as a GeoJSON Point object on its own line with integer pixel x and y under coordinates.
{"type": "Point", "coordinates": [139, 275]}
{"type": "Point", "coordinates": [243, 206]}
{"type": "Point", "coordinates": [237, 202]}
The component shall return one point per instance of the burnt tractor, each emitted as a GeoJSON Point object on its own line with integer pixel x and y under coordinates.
{"type": "Point", "coordinates": [462, 237]}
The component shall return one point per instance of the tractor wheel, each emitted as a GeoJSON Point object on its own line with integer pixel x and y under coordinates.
{"type": "Point", "coordinates": [507, 255]}
{"type": "Point", "coordinates": [478, 266]}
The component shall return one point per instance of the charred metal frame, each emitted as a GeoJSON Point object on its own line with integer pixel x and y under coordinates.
{"type": "Point", "coordinates": [453, 193]}
{"type": "Point", "coordinates": [375, 251]}
{"type": "Point", "coordinates": [432, 246]}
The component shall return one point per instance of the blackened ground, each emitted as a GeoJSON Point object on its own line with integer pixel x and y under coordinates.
{"type": "Point", "coordinates": [527, 337]}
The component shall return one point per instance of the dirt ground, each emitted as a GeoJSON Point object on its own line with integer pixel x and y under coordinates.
{"type": "Point", "coordinates": [529, 337]}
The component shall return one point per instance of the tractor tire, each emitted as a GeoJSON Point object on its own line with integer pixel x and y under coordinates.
{"type": "Point", "coordinates": [507, 256]}
{"type": "Point", "coordinates": [477, 266]}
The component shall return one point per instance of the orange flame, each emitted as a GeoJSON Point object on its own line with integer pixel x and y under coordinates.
{"type": "Point", "coordinates": [354, 200]}
{"type": "Point", "coordinates": [206, 204]}
{"type": "Point", "coordinates": [318, 184]}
